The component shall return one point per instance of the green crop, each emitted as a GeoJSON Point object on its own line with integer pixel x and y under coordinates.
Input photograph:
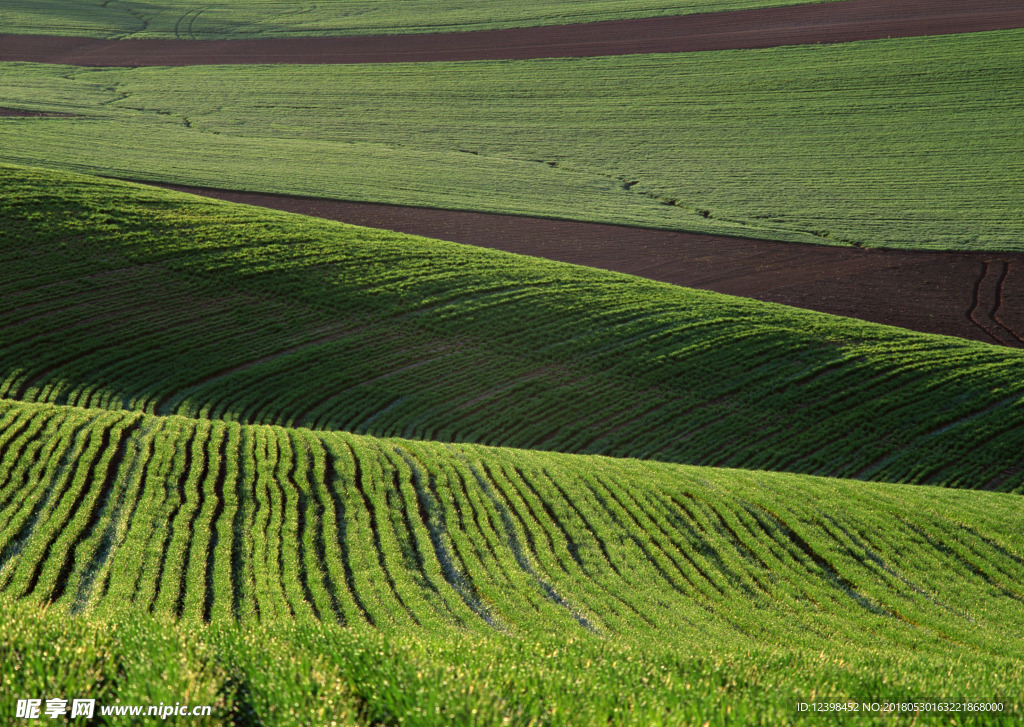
{"type": "Point", "coordinates": [278, 674]}
{"type": "Point", "coordinates": [913, 143]}
{"type": "Point", "coordinates": [272, 18]}
{"type": "Point", "coordinates": [424, 582]}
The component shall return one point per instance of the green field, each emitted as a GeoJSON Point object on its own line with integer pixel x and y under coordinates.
{"type": "Point", "coordinates": [173, 304]}
{"type": "Point", "coordinates": [245, 463]}
{"type": "Point", "coordinates": [275, 18]}
{"type": "Point", "coordinates": [911, 143]}
{"type": "Point", "coordinates": [487, 584]}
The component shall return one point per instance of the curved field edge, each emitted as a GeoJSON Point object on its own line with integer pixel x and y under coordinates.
{"type": "Point", "coordinates": [910, 143]}
{"type": "Point", "coordinates": [211, 19]}
{"type": "Point", "coordinates": [114, 514]}
{"type": "Point", "coordinates": [126, 297]}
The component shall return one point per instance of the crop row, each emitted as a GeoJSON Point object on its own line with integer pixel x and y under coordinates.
{"type": "Point", "coordinates": [207, 520]}
{"type": "Point", "coordinates": [124, 298]}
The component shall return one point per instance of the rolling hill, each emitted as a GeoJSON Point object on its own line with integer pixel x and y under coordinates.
{"type": "Point", "coordinates": [195, 523]}
{"type": "Point", "coordinates": [286, 470]}
{"type": "Point", "coordinates": [173, 304]}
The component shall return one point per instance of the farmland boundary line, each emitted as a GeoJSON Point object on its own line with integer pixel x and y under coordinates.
{"type": "Point", "coordinates": [904, 297]}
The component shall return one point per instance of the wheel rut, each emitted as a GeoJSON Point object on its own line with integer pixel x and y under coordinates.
{"type": "Point", "coordinates": [987, 301]}
{"type": "Point", "coordinates": [981, 286]}
{"type": "Point", "coordinates": [999, 295]}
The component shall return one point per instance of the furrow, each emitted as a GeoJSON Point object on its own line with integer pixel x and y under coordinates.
{"type": "Point", "coordinates": [700, 552]}
{"type": "Point", "coordinates": [580, 574]}
{"type": "Point", "coordinates": [361, 487]}
{"type": "Point", "coordinates": [319, 477]}
{"type": "Point", "coordinates": [290, 531]}
{"type": "Point", "coordinates": [18, 431]}
{"type": "Point", "coordinates": [58, 469]}
{"type": "Point", "coordinates": [157, 588]}
{"type": "Point", "coordinates": [136, 546]}
{"type": "Point", "coordinates": [94, 485]}
{"type": "Point", "coordinates": [315, 577]}
{"type": "Point", "coordinates": [594, 532]}
{"type": "Point", "coordinates": [434, 519]}
{"type": "Point", "coordinates": [265, 600]}
{"type": "Point", "coordinates": [511, 533]}
{"type": "Point", "coordinates": [495, 548]}
{"type": "Point", "coordinates": [279, 600]}
{"type": "Point", "coordinates": [976, 304]}
{"type": "Point", "coordinates": [863, 549]}
{"type": "Point", "coordinates": [245, 554]}
{"type": "Point", "coordinates": [471, 547]}
{"type": "Point", "coordinates": [716, 531]}
{"type": "Point", "coordinates": [192, 585]}
{"type": "Point", "coordinates": [770, 546]}
{"type": "Point", "coordinates": [998, 304]}
{"type": "Point", "coordinates": [483, 537]}
{"type": "Point", "coordinates": [31, 440]}
{"type": "Point", "coordinates": [824, 567]}
{"type": "Point", "coordinates": [617, 511]}
{"type": "Point", "coordinates": [221, 572]}
{"type": "Point", "coordinates": [133, 484]}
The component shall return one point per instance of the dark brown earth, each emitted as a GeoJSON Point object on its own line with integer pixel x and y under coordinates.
{"type": "Point", "coordinates": [26, 114]}
{"type": "Point", "coordinates": [979, 296]}
{"type": "Point", "coordinates": [761, 28]}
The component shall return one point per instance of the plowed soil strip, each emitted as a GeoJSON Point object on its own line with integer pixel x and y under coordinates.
{"type": "Point", "coordinates": [933, 292]}
{"type": "Point", "coordinates": [836, 22]}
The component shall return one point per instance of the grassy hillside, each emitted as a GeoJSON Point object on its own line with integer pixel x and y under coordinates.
{"type": "Point", "coordinates": [169, 535]}
{"type": "Point", "coordinates": [914, 143]}
{"type": "Point", "coordinates": [274, 18]}
{"type": "Point", "coordinates": [534, 562]}
{"type": "Point", "coordinates": [139, 299]}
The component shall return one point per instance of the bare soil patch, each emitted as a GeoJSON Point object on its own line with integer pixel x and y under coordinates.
{"type": "Point", "coordinates": [978, 296]}
{"type": "Point", "coordinates": [761, 28]}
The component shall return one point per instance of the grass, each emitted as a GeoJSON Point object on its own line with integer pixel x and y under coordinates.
{"type": "Point", "coordinates": [173, 304]}
{"type": "Point", "coordinates": [273, 18]}
{"type": "Point", "coordinates": [280, 574]}
{"type": "Point", "coordinates": [911, 143]}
